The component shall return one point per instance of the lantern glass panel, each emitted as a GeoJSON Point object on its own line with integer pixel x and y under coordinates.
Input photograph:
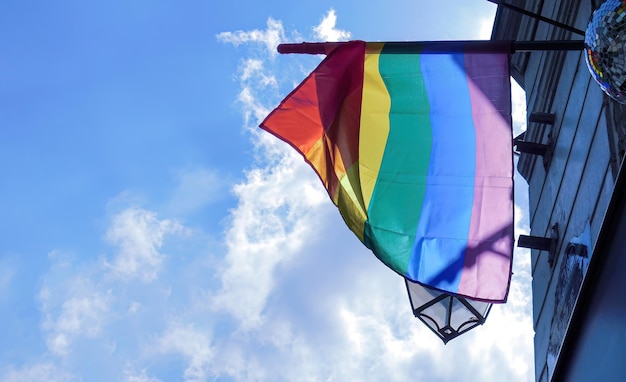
{"type": "Point", "coordinates": [445, 314]}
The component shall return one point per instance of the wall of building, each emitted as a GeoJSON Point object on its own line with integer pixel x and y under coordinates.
{"type": "Point", "coordinates": [569, 189]}
{"type": "Point", "coordinates": [595, 342]}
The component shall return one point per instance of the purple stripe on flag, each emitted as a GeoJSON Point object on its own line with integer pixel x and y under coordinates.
{"type": "Point", "coordinates": [487, 263]}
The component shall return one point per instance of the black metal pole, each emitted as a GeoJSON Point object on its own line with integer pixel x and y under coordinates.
{"type": "Point", "coordinates": [442, 46]}
{"type": "Point", "coordinates": [538, 17]}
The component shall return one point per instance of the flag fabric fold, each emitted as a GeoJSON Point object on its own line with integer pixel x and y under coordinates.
{"type": "Point", "coordinates": [414, 146]}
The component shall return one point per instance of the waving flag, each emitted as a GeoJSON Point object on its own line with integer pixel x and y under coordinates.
{"type": "Point", "coordinates": [414, 146]}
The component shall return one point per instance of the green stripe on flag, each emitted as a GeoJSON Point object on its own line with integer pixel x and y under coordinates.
{"type": "Point", "coordinates": [401, 180]}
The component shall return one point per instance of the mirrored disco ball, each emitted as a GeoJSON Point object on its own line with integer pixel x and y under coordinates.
{"type": "Point", "coordinates": [605, 48]}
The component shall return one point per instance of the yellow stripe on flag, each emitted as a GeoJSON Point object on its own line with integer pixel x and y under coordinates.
{"type": "Point", "coordinates": [375, 108]}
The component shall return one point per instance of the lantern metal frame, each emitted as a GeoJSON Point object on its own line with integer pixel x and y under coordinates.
{"type": "Point", "coordinates": [445, 329]}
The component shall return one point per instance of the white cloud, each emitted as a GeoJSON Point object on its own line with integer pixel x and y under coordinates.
{"type": "Point", "coordinates": [254, 110]}
{"type": "Point", "coordinates": [83, 312]}
{"type": "Point", "coordinates": [277, 202]}
{"type": "Point", "coordinates": [269, 226]}
{"type": "Point", "coordinates": [131, 375]}
{"type": "Point", "coordinates": [38, 372]}
{"type": "Point", "coordinates": [270, 37]}
{"type": "Point", "coordinates": [518, 101]}
{"type": "Point", "coordinates": [386, 342]}
{"type": "Point", "coordinates": [193, 345]}
{"type": "Point", "coordinates": [78, 301]}
{"type": "Point", "coordinates": [326, 30]}
{"type": "Point", "coordinates": [139, 235]}
{"type": "Point", "coordinates": [354, 323]}
{"type": "Point", "coordinates": [251, 67]}
{"type": "Point", "coordinates": [522, 219]}
{"type": "Point", "coordinates": [134, 307]}
{"type": "Point", "coordinates": [254, 78]}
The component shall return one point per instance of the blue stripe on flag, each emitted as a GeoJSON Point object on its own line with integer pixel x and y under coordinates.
{"type": "Point", "coordinates": [439, 249]}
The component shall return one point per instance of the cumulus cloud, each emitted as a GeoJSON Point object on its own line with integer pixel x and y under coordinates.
{"type": "Point", "coordinates": [193, 345]}
{"type": "Point", "coordinates": [326, 30]}
{"type": "Point", "coordinates": [518, 101]}
{"type": "Point", "coordinates": [79, 300]}
{"type": "Point", "coordinates": [273, 35]}
{"type": "Point", "coordinates": [73, 309]}
{"type": "Point", "coordinates": [254, 110]}
{"type": "Point", "coordinates": [139, 235]}
{"type": "Point", "coordinates": [131, 375]}
{"type": "Point", "coordinates": [522, 218]}
{"type": "Point", "coordinates": [274, 214]}
{"type": "Point", "coordinates": [254, 67]}
{"type": "Point", "coordinates": [48, 372]}
{"type": "Point", "coordinates": [254, 77]}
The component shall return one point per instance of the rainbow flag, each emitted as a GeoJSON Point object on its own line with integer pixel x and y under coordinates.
{"type": "Point", "coordinates": [414, 146]}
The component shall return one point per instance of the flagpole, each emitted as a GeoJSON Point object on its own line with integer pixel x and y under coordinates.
{"type": "Point", "coordinates": [442, 46]}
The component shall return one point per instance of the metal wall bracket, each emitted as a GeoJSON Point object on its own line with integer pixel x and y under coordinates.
{"type": "Point", "coordinates": [545, 118]}
{"type": "Point", "coordinates": [544, 150]}
{"type": "Point", "coordinates": [532, 148]}
{"type": "Point", "coordinates": [542, 243]}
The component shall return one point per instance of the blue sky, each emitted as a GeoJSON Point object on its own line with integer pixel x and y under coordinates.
{"type": "Point", "coordinates": [152, 233]}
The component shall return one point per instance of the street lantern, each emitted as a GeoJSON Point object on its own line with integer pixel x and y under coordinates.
{"type": "Point", "coordinates": [447, 315]}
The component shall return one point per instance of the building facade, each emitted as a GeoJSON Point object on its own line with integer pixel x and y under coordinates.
{"type": "Point", "coordinates": [575, 195]}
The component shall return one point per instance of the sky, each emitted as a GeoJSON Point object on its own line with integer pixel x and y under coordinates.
{"type": "Point", "coordinates": [151, 232]}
